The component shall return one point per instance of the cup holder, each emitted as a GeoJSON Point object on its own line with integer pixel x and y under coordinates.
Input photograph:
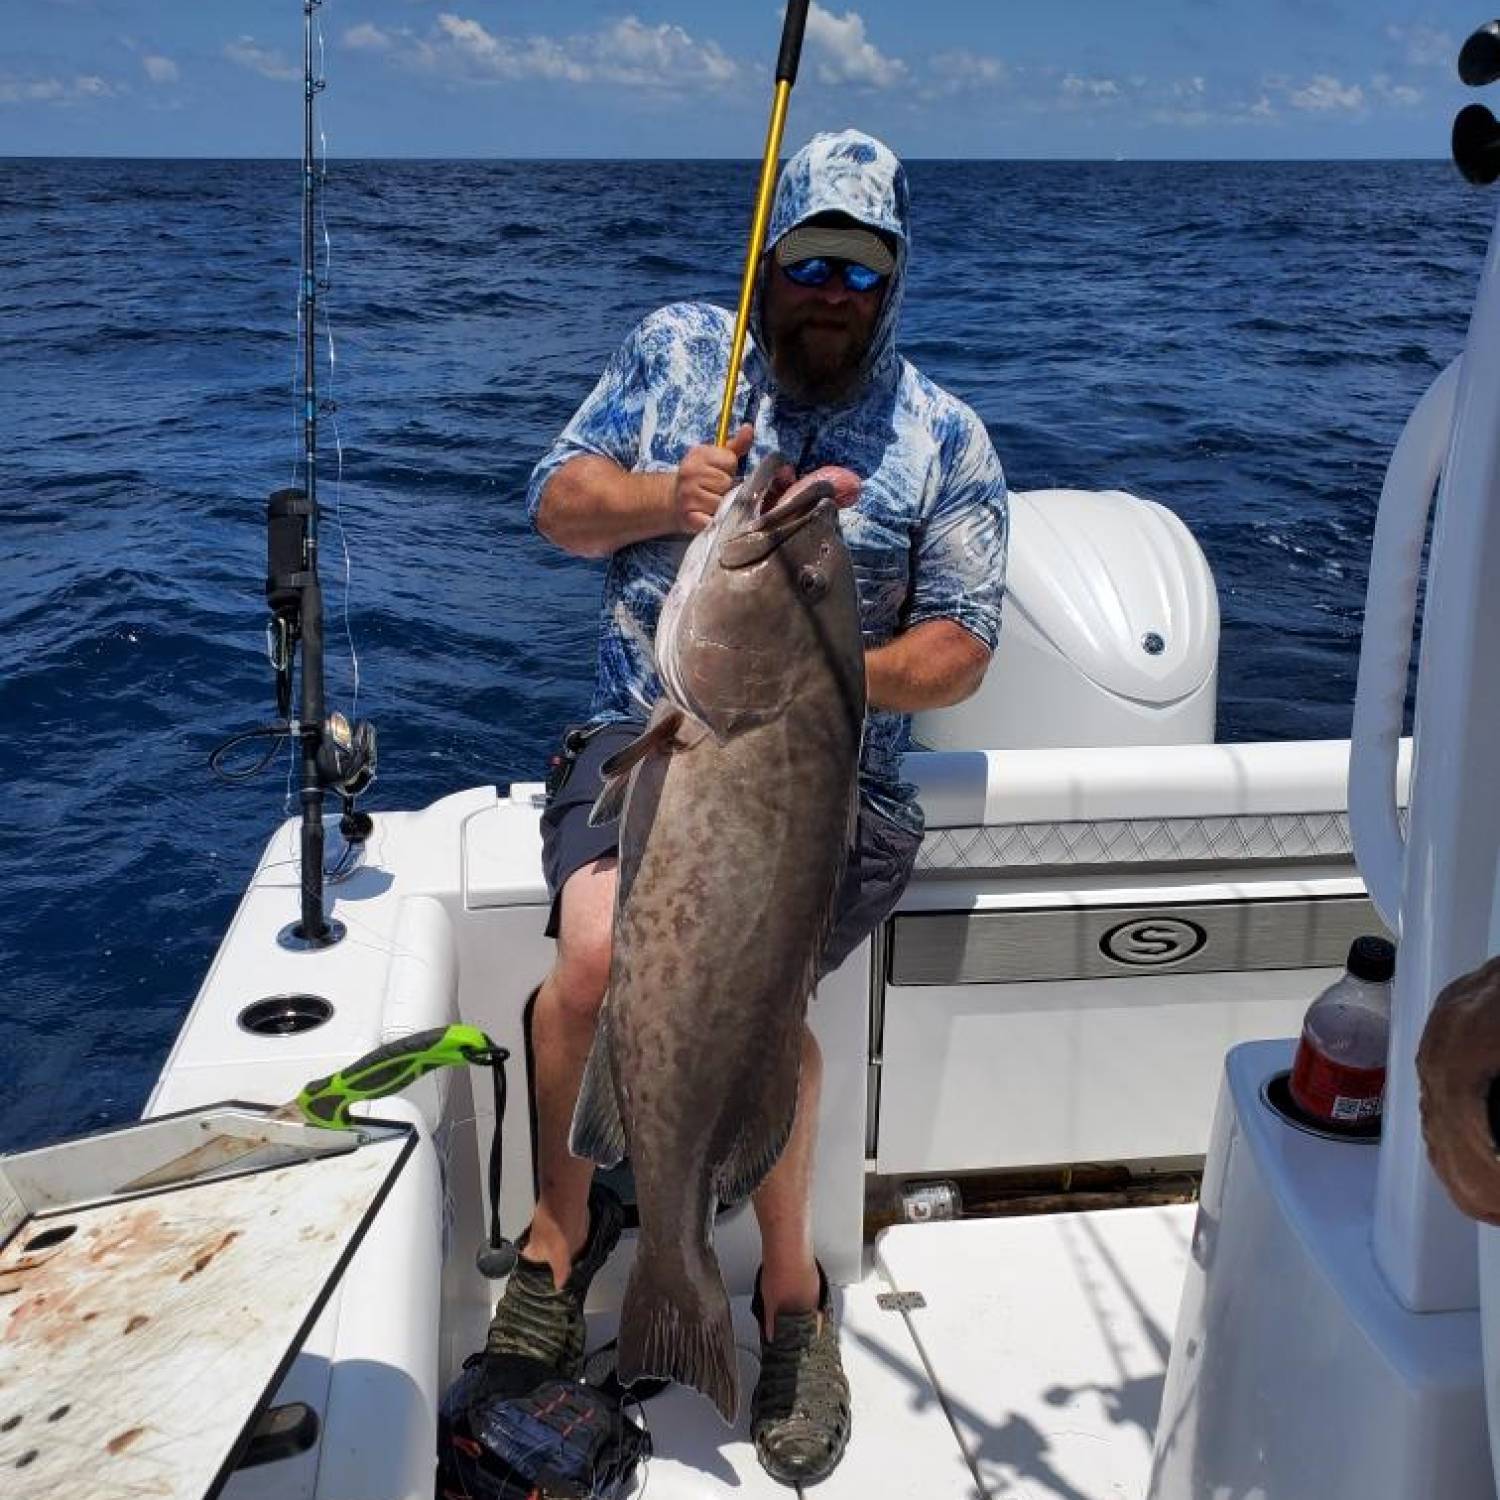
{"type": "Point", "coordinates": [1277, 1095]}
{"type": "Point", "coordinates": [285, 1015]}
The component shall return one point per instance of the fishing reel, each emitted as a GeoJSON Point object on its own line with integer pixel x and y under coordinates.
{"type": "Point", "coordinates": [343, 755]}
{"type": "Point", "coordinates": [345, 752]}
{"type": "Point", "coordinates": [346, 760]}
{"type": "Point", "coordinates": [346, 755]}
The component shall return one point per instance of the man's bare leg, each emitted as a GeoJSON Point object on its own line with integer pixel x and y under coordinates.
{"type": "Point", "coordinates": [783, 1205]}
{"type": "Point", "coordinates": [562, 1031]}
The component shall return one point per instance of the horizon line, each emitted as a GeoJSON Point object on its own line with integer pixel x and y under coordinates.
{"type": "Point", "coordinates": [736, 160]}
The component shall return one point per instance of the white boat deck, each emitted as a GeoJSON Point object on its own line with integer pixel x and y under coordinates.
{"type": "Point", "coordinates": [1033, 1372]}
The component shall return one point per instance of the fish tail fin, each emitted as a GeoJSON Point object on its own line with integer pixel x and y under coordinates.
{"type": "Point", "coordinates": [676, 1325]}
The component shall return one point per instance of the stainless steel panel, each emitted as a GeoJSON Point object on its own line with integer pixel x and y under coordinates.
{"type": "Point", "coordinates": [1117, 942]}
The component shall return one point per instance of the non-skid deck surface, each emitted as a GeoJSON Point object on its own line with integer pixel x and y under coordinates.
{"type": "Point", "coordinates": [1047, 1339]}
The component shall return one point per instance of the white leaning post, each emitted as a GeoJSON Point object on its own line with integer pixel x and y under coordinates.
{"type": "Point", "coordinates": [1386, 642]}
{"type": "Point", "coordinates": [1423, 1246]}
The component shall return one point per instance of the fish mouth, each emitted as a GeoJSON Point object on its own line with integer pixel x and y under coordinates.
{"type": "Point", "coordinates": [784, 508]}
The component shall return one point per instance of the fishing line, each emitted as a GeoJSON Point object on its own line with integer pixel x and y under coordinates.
{"type": "Point", "coordinates": [292, 761]}
{"type": "Point", "coordinates": [331, 405]}
{"type": "Point", "coordinates": [650, 1449]}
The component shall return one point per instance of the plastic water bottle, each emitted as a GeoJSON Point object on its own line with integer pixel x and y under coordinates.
{"type": "Point", "coordinates": [1338, 1077]}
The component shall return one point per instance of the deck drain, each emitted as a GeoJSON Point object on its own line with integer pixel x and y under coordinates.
{"type": "Point", "coordinates": [900, 1301]}
{"type": "Point", "coordinates": [285, 1015]}
{"type": "Point", "coordinates": [49, 1237]}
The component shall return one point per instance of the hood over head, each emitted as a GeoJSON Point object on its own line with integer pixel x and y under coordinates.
{"type": "Point", "coordinates": [847, 172]}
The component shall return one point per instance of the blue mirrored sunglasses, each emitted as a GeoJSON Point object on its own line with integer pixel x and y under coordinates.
{"type": "Point", "coordinates": [816, 272]}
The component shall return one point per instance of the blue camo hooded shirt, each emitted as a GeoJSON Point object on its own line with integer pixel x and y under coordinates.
{"type": "Point", "coordinates": [928, 533]}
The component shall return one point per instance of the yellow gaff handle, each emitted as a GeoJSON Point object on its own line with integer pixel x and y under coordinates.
{"type": "Point", "coordinates": [752, 253]}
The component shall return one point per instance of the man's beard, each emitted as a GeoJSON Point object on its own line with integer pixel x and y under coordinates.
{"type": "Point", "coordinates": [821, 366]}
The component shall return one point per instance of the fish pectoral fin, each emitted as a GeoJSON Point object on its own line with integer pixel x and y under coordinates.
{"type": "Point", "coordinates": [690, 732]}
{"type": "Point", "coordinates": [764, 1131]}
{"type": "Point", "coordinates": [598, 1133]}
{"type": "Point", "coordinates": [609, 805]}
{"type": "Point", "coordinates": [658, 738]}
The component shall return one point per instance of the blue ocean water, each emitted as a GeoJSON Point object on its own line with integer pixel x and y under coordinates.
{"type": "Point", "coordinates": [1241, 342]}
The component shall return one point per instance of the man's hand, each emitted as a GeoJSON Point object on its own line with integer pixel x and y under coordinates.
{"type": "Point", "coordinates": [706, 474]}
{"type": "Point", "coordinates": [592, 506]}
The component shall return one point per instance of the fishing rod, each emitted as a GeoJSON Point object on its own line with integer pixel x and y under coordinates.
{"type": "Point", "coordinates": [333, 754]}
{"type": "Point", "coordinates": [786, 75]}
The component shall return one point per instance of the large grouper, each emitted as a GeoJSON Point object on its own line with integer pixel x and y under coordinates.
{"type": "Point", "coordinates": [738, 807]}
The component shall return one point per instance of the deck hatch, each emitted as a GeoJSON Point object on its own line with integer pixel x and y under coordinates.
{"type": "Point", "coordinates": [1122, 942]}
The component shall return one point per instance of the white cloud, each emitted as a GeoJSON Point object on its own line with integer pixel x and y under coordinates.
{"type": "Point", "coordinates": [1180, 101]}
{"type": "Point", "coordinates": [1100, 90]}
{"type": "Point", "coordinates": [645, 52]}
{"type": "Point", "coordinates": [368, 38]}
{"type": "Point", "coordinates": [1263, 109]}
{"type": "Point", "coordinates": [30, 90]}
{"type": "Point", "coordinates": [628, 52]}
{"type": "Point", "coordinates": [263, 60]}
{"type": "Point", "coordinates": [1324, 92]}
{"type": "Point", "coordinates": [845, 54]}
{"type": "Point", "coordinates": [1424, 46]}
{"type": "Point", "coordinates": [159, 69]}
{"type": "Point", "coordinates": [1390, 92]}
{"type": "Point", "coordinates": [957, 71]}
{"type": "Point", "coordinates": [54, 90]}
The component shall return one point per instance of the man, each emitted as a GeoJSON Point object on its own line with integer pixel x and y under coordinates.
{"type": "Point", "coordinates": [631, 478]}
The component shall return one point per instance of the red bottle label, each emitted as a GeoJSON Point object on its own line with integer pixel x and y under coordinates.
{"type": "Point", "coordinates": [1334, 1092]}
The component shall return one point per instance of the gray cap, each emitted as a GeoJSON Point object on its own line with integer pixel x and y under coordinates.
{"type": "Point", "coordinates": [835, 242]}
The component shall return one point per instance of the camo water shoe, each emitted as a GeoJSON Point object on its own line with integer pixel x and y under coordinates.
{"type": "Point", "coordinates": [538, 1331]}
{"type": "Point", "coordinates": [799, 1415]}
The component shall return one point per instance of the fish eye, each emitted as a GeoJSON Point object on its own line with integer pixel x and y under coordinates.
{"type": "Point", "coordinates": [812, 582]}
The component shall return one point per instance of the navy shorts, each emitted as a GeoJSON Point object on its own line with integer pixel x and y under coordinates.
{"type": "Point", "coordinates": [879, 865]}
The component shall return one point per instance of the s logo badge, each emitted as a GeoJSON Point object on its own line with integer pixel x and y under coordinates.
{"type": "Point", "coordinates": [1152, 942]}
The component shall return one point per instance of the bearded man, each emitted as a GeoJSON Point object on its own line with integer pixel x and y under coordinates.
{"type": "Point", "coordinates": [631, 478]}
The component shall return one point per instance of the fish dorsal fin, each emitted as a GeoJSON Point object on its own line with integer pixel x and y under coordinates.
{"type": "Point", "coordinates": [670, 729]}
{"type": "Point", "coordinates": [598, 1132]}
{"type": "Point", "coordinates": [765, 1127]}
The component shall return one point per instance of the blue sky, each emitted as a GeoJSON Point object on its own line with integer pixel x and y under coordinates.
{"type": "Point", "coordinates": [988, 78]}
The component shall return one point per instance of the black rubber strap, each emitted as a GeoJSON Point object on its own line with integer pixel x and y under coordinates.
{"type": "Point", "coordinates": [289, 503]}
{"type": "Point", "coordinates": [497, 1072]}
{"type": "Point", "coordinates": [277, 583]}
